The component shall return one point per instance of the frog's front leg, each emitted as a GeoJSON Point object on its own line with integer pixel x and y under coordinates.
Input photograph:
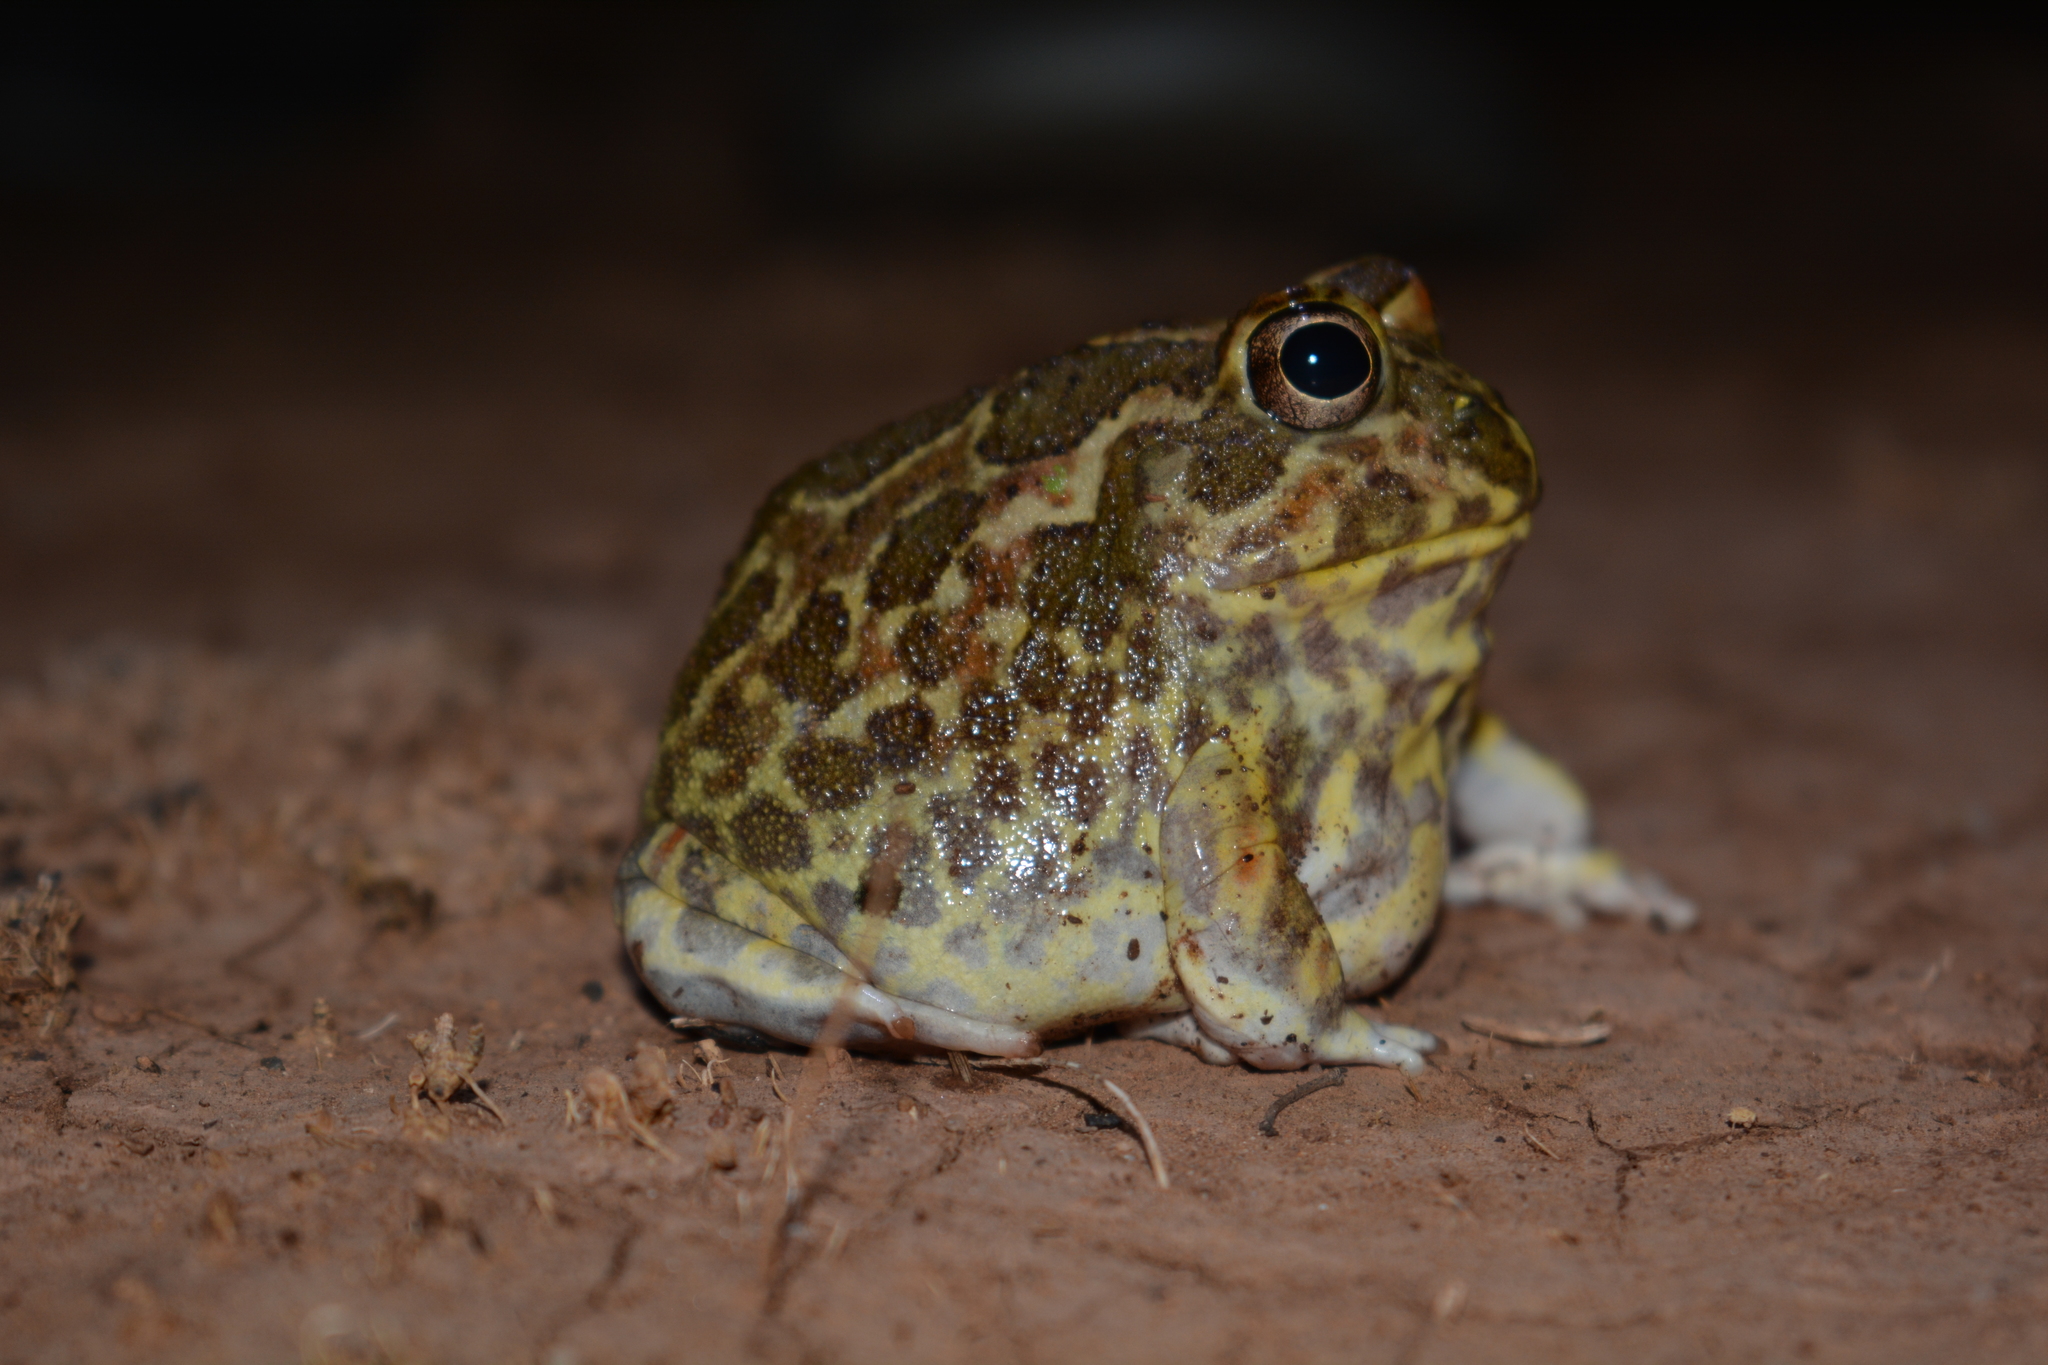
{"type": "Point", "coordinates": [1530, 831]}
{"type": "Point", "coordinates": [1255, 961]}
{"type": "Point", "coordinates": [711, 943]}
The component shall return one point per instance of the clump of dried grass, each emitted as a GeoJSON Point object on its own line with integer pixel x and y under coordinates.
{"type": "Point", "coordinates": [35, 954]}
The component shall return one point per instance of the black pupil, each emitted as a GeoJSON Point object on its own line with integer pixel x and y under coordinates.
{"type": "Point", "coordinates": [1325, 360]}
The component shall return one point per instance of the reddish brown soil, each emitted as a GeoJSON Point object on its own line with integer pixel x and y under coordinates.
{"type": "Point", "coordinates": [337, 584]}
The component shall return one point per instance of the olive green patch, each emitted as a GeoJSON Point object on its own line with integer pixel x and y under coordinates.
{"type": "Point", "coordinates": [803, 662]}
{"type": "Point", "coordinates": [771, 837]}
{"type": "Point", "coordinates": [1376, 279]}
{"type": "Point", "coordinates": [1238, 458]}
{"type": "Point", "coordinates": [1378, 513]}
{"type": "Point", "coordinates": [852, 465]}
{"type": "Point", "coordinates": [988, 717]}
{"type": "Point", "coordinates": [830, 773]}
{"type": "Point", "coordinates": [963, 837]}
{"type": "Point", "coordinates": [732, 624]}
{"type": "Point", "coordinates": [1039, 671]}
{"type": "Point", "coordinates": [1077, 786]}
{"type": "Point", "coordinates": [1143, 671]}
{"type": "Point", "coordinates": [1089, 700]}
{"type": "Point", "coordinates": [902, 736]}
{"type": "Point", "coordinates": [926, 651]}
{"type": "Point", "coordinates": [998, 788]}
{"type": "Point", "coordinates": [1051, 407]}
{"type": "Point", "coordinates": [1469, 422]}
{"type": "Point", "coordinates": [919, 549]}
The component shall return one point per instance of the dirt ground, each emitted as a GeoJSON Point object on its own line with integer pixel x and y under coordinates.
{"type": "Point", "coordinates": [344, 576]}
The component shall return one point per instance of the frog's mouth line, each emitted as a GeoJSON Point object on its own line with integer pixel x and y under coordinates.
{"type": "Point", "coordinates": [1368, 575]}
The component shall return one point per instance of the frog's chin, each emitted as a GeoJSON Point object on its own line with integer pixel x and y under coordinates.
{"type": "Point", "coordinates": [1283, 566]}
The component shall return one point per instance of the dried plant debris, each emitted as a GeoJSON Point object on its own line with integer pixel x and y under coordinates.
{"type": "Point", "coordinates": [321, 1037]}
{"type": "Point", "coordinates": [650, 1092]}
{"type": "Point", "coordinates": [447, 1069]}
{"type": "Point", "coordinates": [1122, 1105]}
{"type": "Point", "coordinates": [396, 903]}
{"type": "Point", "coordinates": [1537, 1035]}
{"type": "Point", "coordinates": [35, 953]}
{"type": "Point", "coordinates": [614, 1107]}
{"type": "Point", "coordinates": [1334, 1076]}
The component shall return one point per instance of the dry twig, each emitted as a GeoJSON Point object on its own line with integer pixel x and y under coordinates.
{"type": "Point", "coordinates": [1126, 1108]}
{"type": "Point", "coordinates": [1533, 1035]}
{"type": "Point", "coordinates": [1334, 1076]}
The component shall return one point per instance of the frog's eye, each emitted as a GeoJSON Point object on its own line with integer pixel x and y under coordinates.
{"type": "Point", "coordinates": [1314, 366]}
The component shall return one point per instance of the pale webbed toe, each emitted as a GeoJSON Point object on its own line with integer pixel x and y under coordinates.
{"type": "Point", "coordinates": [1564, 884]}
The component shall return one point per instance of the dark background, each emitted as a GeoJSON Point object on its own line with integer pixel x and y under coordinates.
{"type": "Point", "coordinates": [504, 311]}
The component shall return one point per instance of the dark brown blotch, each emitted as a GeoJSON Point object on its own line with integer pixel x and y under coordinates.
{"type": "Point", "coordinates": [963, 837]}
{"type": "Point", "coordinates": [830, 773]}
{"type": "Point", "coordinates": [738, 729]}
{"type": "Point", "coordinates": [1077, 786]}
{"type": "Point", "coordinates": [1405, 592]}
{"type": "Point", "coordinates": [998, 788]}
{"type": "Point", "coordinates": [803, 663]}
{"type": "Point", "coordinates": [852, 465]}
{"type": "Point", "coordinates": [927, 651]}
{"type": "Point", "coordinates": [1378, 513]}
{"type": "Point", "coordinates": [988, 717]}
{"type": "Point", "coordinates": [920, 548]}
{"type": "Point", "coordinates": [1039, 671]}
{"type": "Point", "coordinates": [902, 736]}
{"type": "Point", "coordinates": [770, 837]}
{"type": "Point", "coordinates": [1144, 673]}
{"type": "Point", "coordinates": [1051, 407]}
{"type": "Point", "coordinates": [1238, 458]}
{"type": "Point", "coordinates": [732, 624]}
{"type": "Point", "coordinates": [1089, 703]}
{"type": "Point", "coordinates": [1087, 573]}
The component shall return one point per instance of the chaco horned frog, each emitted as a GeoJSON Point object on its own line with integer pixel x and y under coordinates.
{"type": "Point", "coordinates": [1137, 688]}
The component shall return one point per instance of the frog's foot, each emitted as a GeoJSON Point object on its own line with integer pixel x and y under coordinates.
{"type": "Point", "coordinates": [1532, 834]}
{"type": "Point", "coordinates": [713, 945]}
{"type": "Point", "coordinates": [1254, 959]}
{"type": "Point", "coordinates": [1564, 884]}
{"type": "Point", "coordinates": [1181, 1031]}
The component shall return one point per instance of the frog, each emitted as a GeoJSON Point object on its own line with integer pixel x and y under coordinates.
{"type": "Point", "coordinates": [1137, 690]}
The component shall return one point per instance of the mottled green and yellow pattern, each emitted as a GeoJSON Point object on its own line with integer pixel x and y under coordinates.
{"type": "Point", "coordinates": [960, 670]}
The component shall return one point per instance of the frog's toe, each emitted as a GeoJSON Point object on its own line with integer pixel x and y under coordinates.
{"type": "Point", "coordinates": [1358, 1041]}
{"type": "Point", "coordinates": [1564, 884]}
{"type": "Point", "coordinates": [1181, 1031]}
{"type": "Point", "coordinates": [1421, 1040]}
{"type": "Point", "coordinates": [1640, 895]}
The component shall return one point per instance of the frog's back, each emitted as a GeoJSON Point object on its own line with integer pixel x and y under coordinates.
{"type": "Point", "coordinates": [947, 639]}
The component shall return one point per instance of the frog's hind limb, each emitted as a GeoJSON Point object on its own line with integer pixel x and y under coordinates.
{"type": "Point", "coordinates": [711, 943]}
{"type": "Point", "coordinates": [1255, 961]}
{"type": "Point", "coordinates": [1181, 1030]}
{"type": "Point", "coordinates": [1530, 832]}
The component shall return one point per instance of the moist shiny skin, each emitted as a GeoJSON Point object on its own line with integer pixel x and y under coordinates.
{"type": "Point", "coordinates": [958, 667]}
